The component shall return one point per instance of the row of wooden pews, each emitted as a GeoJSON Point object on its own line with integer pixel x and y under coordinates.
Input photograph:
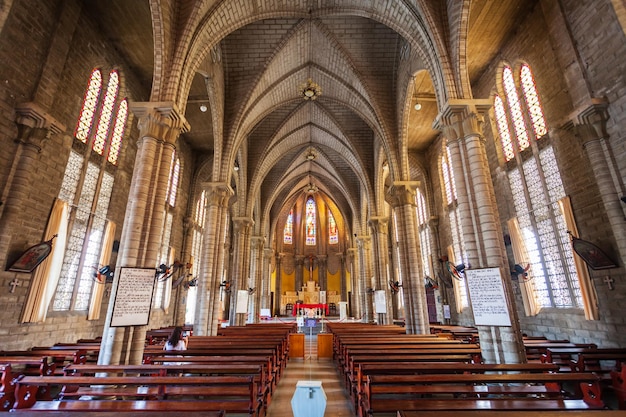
{"type": "Point", "coordinates": [235, 372]}
{"type": "Point", "coordinates": [386, 372]}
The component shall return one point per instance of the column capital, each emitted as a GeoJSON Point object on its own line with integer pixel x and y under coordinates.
{"type": "Point", "coordinates": [257, 242]}
{"type": "Point", "coordinates": [379, 224]}
{"type": "Point", "coordinates": [462, 118]}
{"type": "Point", "coordinates": [34, 116]}
{"type": "Point", "coordinates": [242, 224]}
{"type": "Point", "coordinates": [363, 242]}
{"type": "Point", "coordinates": [218, 193]}
{"type": "Point", "coordinates": [590, 122]}
{"type": "Point", "coordinates": [160, 120]}
{"type": "Point", "coordinates": [402, 193]}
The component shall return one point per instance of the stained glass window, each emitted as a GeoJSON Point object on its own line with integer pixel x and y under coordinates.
{"type": "Point", "coordinates": [503, 128]}
{"type": "Point", "coordinates": [118, 132]}
{"type": "Point", "coordinates": [536, 188]}
{"type": "Point", "coordinates": [288, 231]}
{"type": "Point", "coordinates": [90, 103]}
{"type": "Point", "coordinates": [333, 235]}
{"type": "Point", "coordinates": [515, 108]}
{"type": "Point", "coordinates": [106, 113]}
{"type": "Point", "coordinates": [310, 222]}
{"type": "Point", "coordinates": [87, 187]}
{"type": "Point", "coordinates": [94, 104]}
{"type": "Point", "coordinates": [532, 101]}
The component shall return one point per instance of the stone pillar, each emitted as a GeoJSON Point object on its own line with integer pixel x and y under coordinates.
{"type": "Point", "coordinates": [214, 252]}
{"type": "Point", "coordinates": [241, 266]}
{"type": "Point", "coordinates": [299, 272]}
{"type": "Point", "coordinates": [401, 196]}
{"type": "Point", "coordinates": [180, 296]}
{"type": "Point", "coordinates": [160, 124]}
{"type": "Point", "coordinates": [321, 272]}
{"type": "Point", "coordinates": [279, 285]}
{"type": "Point", "coordinates": [364, 244]}
{"type": "Point", "coordinates": [461, 121]}
{"type": "Point", "coordinates": [256, 278]}
{"type": "Point", "coordinates": [591, 128]}
{"type": "Point", "coordinates": [267, 278]}
{"type": "Point", "coordinates": [343, 287]}
{"type": "Point", "coordinates": [34, 126]}
{"type": "Point", "coordinates": [380, 235]}
{"type": "Point", "coordinates": [354, 293]}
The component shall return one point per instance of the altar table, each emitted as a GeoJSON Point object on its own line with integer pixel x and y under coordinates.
{"type": "Point", "coordinates": [297, 307]}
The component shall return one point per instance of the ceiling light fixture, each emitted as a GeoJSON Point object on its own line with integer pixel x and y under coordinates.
{"type": "Point", "coordinates": [418, 105]}
{"type": "Point", "coordinates": [203, 108]}
{"type": "Point", "coordinates": [310, 90]}
{"type": "Point", "coordinates": [310, 155]}
{"type": "Point", "coordinates": [236, 167]}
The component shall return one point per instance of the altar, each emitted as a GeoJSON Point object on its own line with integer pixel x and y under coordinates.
{"type": "Point", "coordinates": [316, 307]}
{"type": "Point", "coordinates": [309, 294]}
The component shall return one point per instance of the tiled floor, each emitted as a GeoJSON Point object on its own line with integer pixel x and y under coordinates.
{"type": "Point", "coordinates": [338, 403]}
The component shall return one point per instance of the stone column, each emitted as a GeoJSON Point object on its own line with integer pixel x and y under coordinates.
{"type": "Point", "coordinates": [461, 121]}
{"type": "Point", "coordinates": [214, 252]}
{"type": "Point", "coordinates": [380, 240]}
{"type": "Point", "coordinates": [401, 196]}
{"type": "Point", "coordinates": [279, 285]}
{"type": "Point", "coordinates": [256, 278]}
{"type": "Point", "coordinates": [241, 266]}
{"type": "Point", "coordinates": [267, 278]}
{"type": "Point", "coordinates": [354, 293]}
{"type": "Point", "coordinates": [180, 296]}
{"type": "Point", "coordinates": [591, 128]}
{"type": "Point", "coordinates": [299, 272]}
{"type": "Point", "coordinates": [34, 126]}
{"type": "Point", "coordinates": [343, 287]}
{"type": "Point", "coordinates": [364, 244]}
{"type": "Point", "coordinates": [321, 272]}
{"type": "Point", "coordinates": [160, 124]}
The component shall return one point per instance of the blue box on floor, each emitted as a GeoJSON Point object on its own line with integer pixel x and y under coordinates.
{"type": "Point", "coordinates": [309, 400]}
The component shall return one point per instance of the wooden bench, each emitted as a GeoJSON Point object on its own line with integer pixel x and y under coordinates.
{"type": "Point", "coordinates": [439, 392]}
{"type": "Point", "coordinates": [419, 368]}
{"type": "Point", "coordinates": [511, 413]}
{"type": "Point", "coordinates": [237, 394]}
{"type": "Point", "coordinates": [214, 369]}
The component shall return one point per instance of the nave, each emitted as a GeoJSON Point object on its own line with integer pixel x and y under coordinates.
{"type": "Point", "coordinates": [316, 369]}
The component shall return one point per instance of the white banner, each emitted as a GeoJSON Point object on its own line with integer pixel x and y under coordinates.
{"type": "Point", "coordinates": [486, 292]}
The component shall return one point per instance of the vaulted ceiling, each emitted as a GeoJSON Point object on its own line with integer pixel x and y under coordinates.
{"type": "Point", "coordinates": [371, 72]}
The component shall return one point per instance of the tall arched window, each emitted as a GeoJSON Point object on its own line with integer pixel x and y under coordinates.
{"type": "Point", "coordinates": [166, 253]}
{"type": "Point", "coordinates": [288, 231]}
{"type": "Point", "coordinates": [197, 237]}
{"type": "Point", "coordinates": [333, 234]}
{"type": "Point", "coordinates": [310, 222]}
{"type": "Point", "coordinates": [87, 187]}
{"type": "Point", "coordinates": [424, 235]}
{"type": "Point", "coordinates": [456, 251]}
{"type": "Point", "coordinates": [540, 226]}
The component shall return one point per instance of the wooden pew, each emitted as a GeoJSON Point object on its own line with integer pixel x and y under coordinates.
{"type": "Point", "coordinates": [237, 394]}
{"type": "Point", "coordinates": [511, 413]}
{"type": "Point", "coordinates": [535, 351]}
{"type": "Point", "coordinates": [213, 369]}
{"type": "Point", "coordinates": [521, 391]}
{"type": "Point", "coordinates": [418, 368]}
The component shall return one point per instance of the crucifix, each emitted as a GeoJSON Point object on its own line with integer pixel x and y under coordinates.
{"type": "Point", "coordinates": [608, 281]}
{"type": "Point", "coordinates": [13, 284]}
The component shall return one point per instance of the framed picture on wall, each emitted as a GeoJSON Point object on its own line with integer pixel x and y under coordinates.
{"type": "Point", "coordinates": [592, 255]}
{"type": "Point", "coordinates": [32, 257]}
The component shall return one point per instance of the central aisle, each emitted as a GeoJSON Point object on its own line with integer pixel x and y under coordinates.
{"type": "Point", "coordinates": [338, 403]}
